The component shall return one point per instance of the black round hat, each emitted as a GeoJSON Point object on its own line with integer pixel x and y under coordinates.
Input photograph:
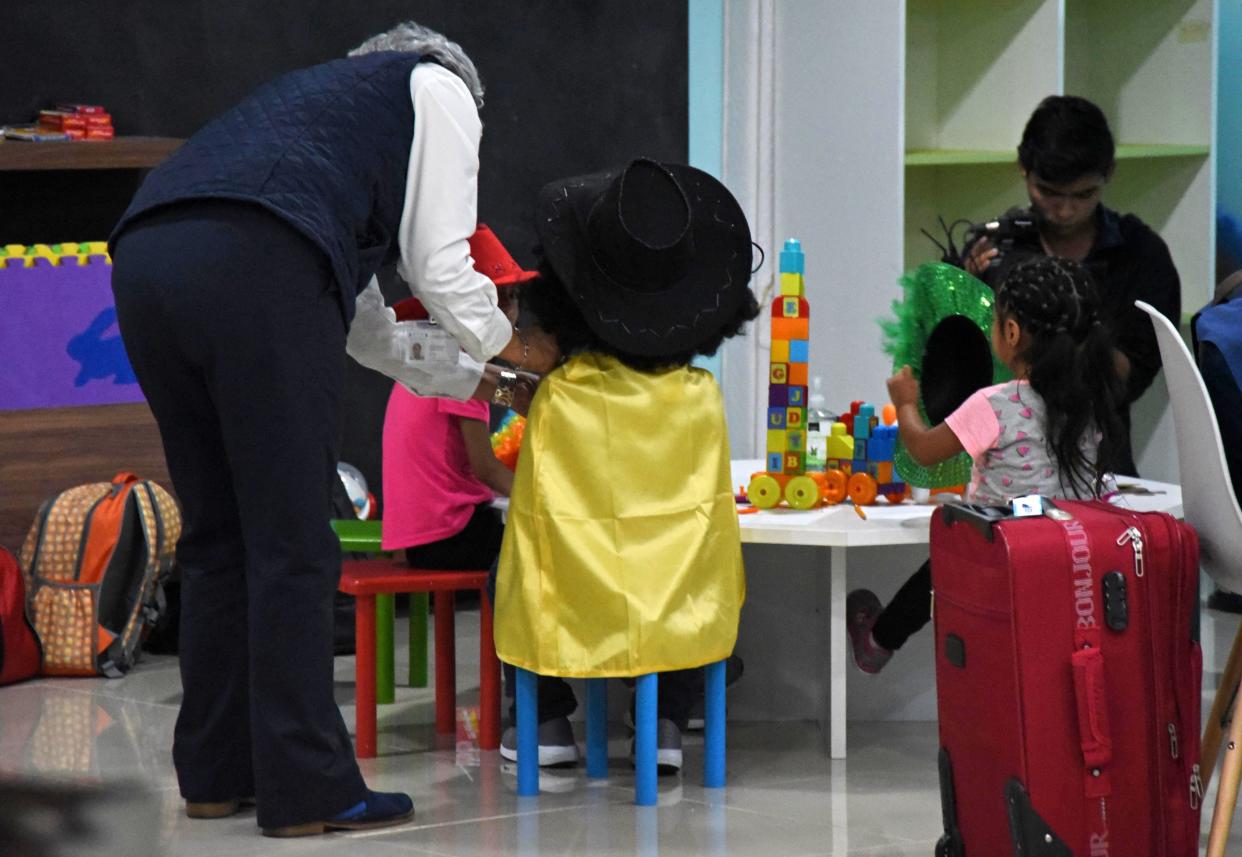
{"type": "Point", "coordinates": [656, 256]}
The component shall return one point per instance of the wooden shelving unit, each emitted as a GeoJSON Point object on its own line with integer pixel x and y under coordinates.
{"type": "Point", "coordinates": [138, 153]}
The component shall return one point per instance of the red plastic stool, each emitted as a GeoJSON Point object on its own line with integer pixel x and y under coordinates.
{"type": "Point", "coordinates": [366, 578]}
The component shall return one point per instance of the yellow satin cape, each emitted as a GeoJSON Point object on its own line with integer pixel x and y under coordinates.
{"type": "Point", "coordinates": [622, 553]}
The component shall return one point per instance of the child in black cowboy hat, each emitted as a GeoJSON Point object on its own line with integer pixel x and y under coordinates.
{"type": "Point", "coordinates": [622, 553]}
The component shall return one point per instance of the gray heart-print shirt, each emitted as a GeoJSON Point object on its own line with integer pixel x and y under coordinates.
{"type": "Point", "coordinates": [1002, 429]}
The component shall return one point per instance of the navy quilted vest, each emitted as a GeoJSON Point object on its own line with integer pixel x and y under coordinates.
{"type": "Point", "coordinates": [325, 148]}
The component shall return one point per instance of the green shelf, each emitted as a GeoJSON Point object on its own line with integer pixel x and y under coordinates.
{"type": "Point", "coordinates": [1126, 151]}
{"type": "Point", "coordinates": [1160, 150]}
{"type": "Point", "coordinates": [948, 157]}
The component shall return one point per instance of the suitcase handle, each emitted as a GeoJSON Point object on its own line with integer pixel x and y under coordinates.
{"type": "Point", "coordinates": [982, 518]}
{"type": "Point", "coordinates": [1094, 732]}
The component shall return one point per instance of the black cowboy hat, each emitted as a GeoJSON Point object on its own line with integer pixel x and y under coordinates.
{"type": "Point", "coordinates": [657, 257]}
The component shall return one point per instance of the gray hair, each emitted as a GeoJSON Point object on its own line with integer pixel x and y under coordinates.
{"type": "Point", "coordinates": [415, 38]}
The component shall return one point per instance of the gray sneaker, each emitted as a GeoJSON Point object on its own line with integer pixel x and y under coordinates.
{"type": "Point", "coordinates": [668, 748]}
{"type": "Point", "coordinates": [557, 747]}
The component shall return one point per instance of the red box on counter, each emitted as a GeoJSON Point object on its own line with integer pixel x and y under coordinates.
{"type": "Point", "coordinates": [59, 120]}
{"type": "Point", "coordinates": [100, 133]}
{"type": "Point", "coordinates": [82, 109]}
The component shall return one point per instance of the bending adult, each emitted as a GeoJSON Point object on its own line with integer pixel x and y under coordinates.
{"type": "Point", "coordinates": [237, 270]}
{"type": "Point", "coordinates": [1067, 157]}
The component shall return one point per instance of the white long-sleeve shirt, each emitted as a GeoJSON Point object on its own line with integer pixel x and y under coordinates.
{"type": "Point", "coordinates": [439, 215]}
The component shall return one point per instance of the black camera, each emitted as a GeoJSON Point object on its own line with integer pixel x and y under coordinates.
{"type": "Point", "coordinates": [1015, 226]}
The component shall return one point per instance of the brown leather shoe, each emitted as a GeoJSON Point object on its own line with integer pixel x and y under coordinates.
{"type": "Point", "coordinates": [216, 809]}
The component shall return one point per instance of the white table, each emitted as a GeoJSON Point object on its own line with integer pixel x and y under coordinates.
{"type": "Point", "coordinates": [840, 528]}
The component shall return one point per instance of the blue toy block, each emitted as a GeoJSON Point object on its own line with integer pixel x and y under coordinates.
{"type": "Point", "coordinates": [860, 449]}
{"type": "Point", "coordinates": [792, 260]}
{"type": "Point", "coordinates": [799, 351]}
{"type": "Point", "coordinates": [862, 428]}
{"type": "Point", "coordinates": [776, 462]}
{"type": "Point", "coordinates": [866, 412]}
{"type": "Point", "coordinates": [778, 396]}
{"type": "Point", "coordinates": [776, 418]}
{"type": "Point", "coordinates": [796, 397]}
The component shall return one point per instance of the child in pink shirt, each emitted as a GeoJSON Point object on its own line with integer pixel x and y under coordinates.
{"type": "Point", "coordinates": [440, 475]}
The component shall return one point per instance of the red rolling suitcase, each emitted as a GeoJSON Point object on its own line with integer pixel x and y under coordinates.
{"type": "Point", "coordinates": [1068, 677]}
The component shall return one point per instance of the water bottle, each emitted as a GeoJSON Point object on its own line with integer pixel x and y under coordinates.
{"type": "Point", "coordinates": [819, 422]}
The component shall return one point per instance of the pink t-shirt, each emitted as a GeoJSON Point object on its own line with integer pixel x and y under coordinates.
{"type": "Point", "coordinates": [429, 489]}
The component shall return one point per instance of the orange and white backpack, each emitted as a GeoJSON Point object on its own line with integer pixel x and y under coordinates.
{"type": "Point", "coordinates": [94, 561]}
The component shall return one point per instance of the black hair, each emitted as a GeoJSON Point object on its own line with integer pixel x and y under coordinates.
{"type": "Point", "coordinates": [548, 300]}
{"type": "Point", "coordinates": [1066, 138]}
{"type": "Point", "coordinates": [1069, 356]}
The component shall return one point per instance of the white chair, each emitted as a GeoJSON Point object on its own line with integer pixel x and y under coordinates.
{"type": "Point", "coordinates": [1211, 507]}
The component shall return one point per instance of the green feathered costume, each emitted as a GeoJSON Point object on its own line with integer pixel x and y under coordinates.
{"type": "Point", "coordinates": [934, 332]}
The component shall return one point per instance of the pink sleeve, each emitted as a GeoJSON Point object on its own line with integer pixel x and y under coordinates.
{"type": "Point", "coordinates": [471, 408]}
{"type": "Point", "coordinates": [975, 423]}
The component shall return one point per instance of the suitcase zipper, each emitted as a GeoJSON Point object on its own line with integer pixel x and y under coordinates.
{"type": "Point", "coordinates": [1135, 537]}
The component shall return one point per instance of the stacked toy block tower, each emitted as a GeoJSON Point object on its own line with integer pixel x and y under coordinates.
{"type": "Point", "coordinates": [788, 371]}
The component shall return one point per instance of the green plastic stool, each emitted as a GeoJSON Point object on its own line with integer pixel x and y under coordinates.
{"type": "Point", "coordinates": [364, 537]}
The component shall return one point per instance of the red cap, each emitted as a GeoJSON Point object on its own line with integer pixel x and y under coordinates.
{"type": "Point", "coordinates": [490, 259]}
{"type": "Point", "coordinates": [493, 261]}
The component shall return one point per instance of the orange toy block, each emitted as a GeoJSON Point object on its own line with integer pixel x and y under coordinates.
{"type": "Point", "coordinates": [791, 328]}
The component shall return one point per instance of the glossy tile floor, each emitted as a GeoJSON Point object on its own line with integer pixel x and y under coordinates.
{"type": "Point", "coordinates": [785, 797]}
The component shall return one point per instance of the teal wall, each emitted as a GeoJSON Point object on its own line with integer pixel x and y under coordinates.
{"type": "Point", "coordinates": [706, 80]}
{"type": "Point", "coordinates": [1228, 152]}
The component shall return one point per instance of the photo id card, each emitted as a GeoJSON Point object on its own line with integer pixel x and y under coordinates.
{"type": "Point", "coordinates": [427, 344]}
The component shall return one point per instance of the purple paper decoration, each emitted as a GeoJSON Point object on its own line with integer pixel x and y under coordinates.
{"type": "Point", "coordinates": [59, 343]}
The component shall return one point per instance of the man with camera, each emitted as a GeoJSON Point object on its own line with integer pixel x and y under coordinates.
{"type": "Point", "coordinates": [1067, 157]}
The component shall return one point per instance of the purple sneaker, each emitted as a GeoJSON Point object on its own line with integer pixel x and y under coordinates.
{"type": "Point", "coordinates": [862, 608]}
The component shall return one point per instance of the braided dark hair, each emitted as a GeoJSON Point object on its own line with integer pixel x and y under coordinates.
{"type": "Point", "coordinates": [1069, 356]}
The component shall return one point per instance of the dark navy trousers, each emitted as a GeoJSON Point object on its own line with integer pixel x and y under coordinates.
{"type": "Point", "coordinates": [233, 325]}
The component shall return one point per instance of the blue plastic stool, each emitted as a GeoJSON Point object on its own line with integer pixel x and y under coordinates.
{"type": "Point", "coordinates": [645, 752]}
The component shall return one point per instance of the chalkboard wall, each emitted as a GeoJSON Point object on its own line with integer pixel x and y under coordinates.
{"type": "Point", "coordinates": [571, 86]}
